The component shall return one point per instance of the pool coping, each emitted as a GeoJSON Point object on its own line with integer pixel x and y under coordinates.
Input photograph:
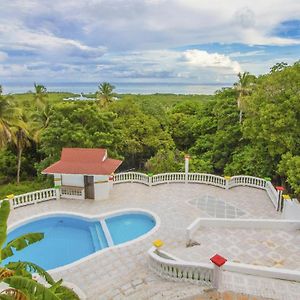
{"type": "Point", "coordinates": [97, 217]}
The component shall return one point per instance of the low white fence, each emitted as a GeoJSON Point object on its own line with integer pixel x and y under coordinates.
{"type": "Point", "coordinates": [34, 197]}
{"type": "Point", "coordinates": [247, 181]}
{"type": "Point", "coordinates": [174, 269]}
{"type": "Point", "coordinates": [72, 192]}
{"type": "Point", "coordinates": [190, 178]}
{"type": "Point", "coordinates": [131, 177]}
{"type": "Point", "coordinates": [207, 179]}
{"type": "Point", "coordinates": [171, 268]}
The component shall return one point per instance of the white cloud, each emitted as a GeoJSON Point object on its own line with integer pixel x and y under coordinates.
{"type": "Point", "coordinates": [198, 58]}
{"type": "Point", "coordinates": [123, 39]}
{"type": "Point", "coordinates": [3, 56]}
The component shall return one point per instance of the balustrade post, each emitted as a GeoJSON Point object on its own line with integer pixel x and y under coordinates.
{"type": "Point", "coordinates": [57, 191]}
{"type": "Point", "coordinates": [227, 178]}
{"type": "Point", "coordinates": [279, 190]}
{"type": "Point", "coordinates": [186, 167]}
{"type": "Point", "coordinates": [150, 175]}
{"type": "Point", "coordinates": [218, 262]}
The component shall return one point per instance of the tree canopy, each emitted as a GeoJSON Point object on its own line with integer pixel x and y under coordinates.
{"type": "Point", "coordinates": [152, 132]}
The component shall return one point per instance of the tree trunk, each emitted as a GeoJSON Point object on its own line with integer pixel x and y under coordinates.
{"type": "Point", "coordinates": [20, 150]}
{"type": "Point", "coordinates": [241, 117]}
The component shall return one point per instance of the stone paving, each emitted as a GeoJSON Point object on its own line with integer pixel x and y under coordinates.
{"type": "Point", "coordinates": [270, 248]}
{"type": "Point", "coordinates": [122, 272]}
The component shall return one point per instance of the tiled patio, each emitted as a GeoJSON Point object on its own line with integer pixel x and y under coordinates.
{"type": "Point", "coordinates": [122, 273]}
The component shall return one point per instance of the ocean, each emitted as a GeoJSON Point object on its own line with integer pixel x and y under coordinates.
{"type": "Point", "coordinates": [121, 87]}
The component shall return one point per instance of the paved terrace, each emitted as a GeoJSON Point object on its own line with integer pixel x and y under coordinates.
{"type": "Point", "coordinates": [122, 273]}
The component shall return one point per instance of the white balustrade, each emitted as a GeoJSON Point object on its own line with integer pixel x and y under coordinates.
{"type": "Point", "coordinates": [171, 268]}
{"type": "Point", "coordinates": [131, 177]}
{"type": "Point", "coordinates": [251, 181]}
{"type": "Point", "coordinates": [272, 193]}
{"type": "Point", "coordinates": [207, 178]}
{"type": "Point", "coordinates": [72, 192]}
{"type": "Point", "coordinates": [167, 178]}
{"type": "Point", "coordinates": [34, 197]}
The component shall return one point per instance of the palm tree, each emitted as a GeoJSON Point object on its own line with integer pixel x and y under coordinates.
{"type": "Point", "coordinates": [21, 137]}
{"type": "Point", "coordinates": [8, 115]}
{"type": "Point", "coordinates": [40, 95]}
{"type": "Point", "coordinates": [40, 121]}
{"type": "Point", "coordinates": [243, 87]}
{"type": "Point", "coordinates": [105, 94]}
{"type": "Point", "coordinates": [18, 275]}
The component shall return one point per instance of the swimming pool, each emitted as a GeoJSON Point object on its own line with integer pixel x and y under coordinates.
{"type": "Point", "coordinates": [68, 238]}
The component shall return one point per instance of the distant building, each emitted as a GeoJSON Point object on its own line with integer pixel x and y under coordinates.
{"type": "Point", "coordinates": [83, 173]}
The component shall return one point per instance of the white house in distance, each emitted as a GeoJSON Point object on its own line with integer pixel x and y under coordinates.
{"type": "Point", "coordinates": [84, 173]}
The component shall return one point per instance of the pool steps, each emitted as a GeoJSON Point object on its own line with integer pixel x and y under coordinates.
{"type": "Point", "coordinates": [106, 233]}
{"type": "Point", "coordinates": [95, 239]}
{"type": "Point", "coordinates": [101, 236]}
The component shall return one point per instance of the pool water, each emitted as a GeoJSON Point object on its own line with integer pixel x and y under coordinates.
{"type": "Point", "coordinates": [69, 238]}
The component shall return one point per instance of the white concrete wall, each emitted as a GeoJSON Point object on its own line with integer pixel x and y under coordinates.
{"type": "Point", "coordinates": [291, 210]}
{"type": "Point", "coordinates": [73, 180]}
{"type": "Point", "coordinates": [102, 187]}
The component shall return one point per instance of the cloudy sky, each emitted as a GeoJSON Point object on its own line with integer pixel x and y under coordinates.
{"type": "Point", "coordinates": [193, 41]}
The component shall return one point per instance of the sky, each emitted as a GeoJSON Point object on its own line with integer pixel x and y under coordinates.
{"type": "Point", "coordinates": [165, 41]}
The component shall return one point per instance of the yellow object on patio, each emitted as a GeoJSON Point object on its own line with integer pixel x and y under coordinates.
{"type": "Point", "coordinates": [286, 197]}
{"type": "Point", "coordinates": [158, 243]}
{"type": "Point", "coordinates": [227, 177]}
{"type": "Point", "coordinates": [11, 196]}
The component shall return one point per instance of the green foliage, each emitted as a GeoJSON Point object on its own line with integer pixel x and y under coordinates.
{"type": "Point", "coordinates": [31, 287]}
{"type": "Point", "coordinates": [24, 187]}
{"type": "Point", "coordinates": [290, 168]}
{"type": "Point", "coordinates": [20, 243]}
{"type": "Point", "coordinates": [166, 161]}
{"type": "Point", "coordinates": [246, 129]}
{"type": "Point", "coordinates": [4, 213]}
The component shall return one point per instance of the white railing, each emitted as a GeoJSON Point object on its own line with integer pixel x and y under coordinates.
{"type": "Point", "coordinates": [71, 192]}
{"type": "Point", "coordinates": [262, 271]}
{"type": "Point", "coordinates": [169, 267]}
{"type": "Point", "coordinates": [207, 178]}
{"type": "Point", "coordinates": [272, 193]}
{"type": "Point", "coordinates": [131, 177]}
{"type": "Point", "coordinates": [34, 197]}
{"type": "Point", "coordinates": [167, 178]}
{"type": "Point", "coordinates": [247, 181]}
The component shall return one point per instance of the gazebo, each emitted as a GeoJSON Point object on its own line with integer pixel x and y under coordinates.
{"type": "Point", "coordinates": [83, 173]}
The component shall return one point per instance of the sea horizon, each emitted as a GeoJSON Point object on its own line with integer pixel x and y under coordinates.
{"type": "Point", "coordinates": [120, 87]}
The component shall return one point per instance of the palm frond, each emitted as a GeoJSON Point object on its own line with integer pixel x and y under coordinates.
{"type": "Point", "coordinates": [32, 268]}
{"type": "Point", "coordinates": [20, 243]}
{"type": "Point", "coordinates": [33, 288]}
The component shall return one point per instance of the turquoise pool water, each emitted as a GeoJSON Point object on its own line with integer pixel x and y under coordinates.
{"type": "Point", "coordinates": [69, 238]}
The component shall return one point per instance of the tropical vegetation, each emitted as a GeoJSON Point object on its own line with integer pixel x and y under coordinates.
{"type": "Point", "coordinates": [251, 128]}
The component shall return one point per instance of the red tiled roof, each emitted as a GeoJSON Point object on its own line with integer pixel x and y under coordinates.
{"type": "Point", "coordinates": [83, 161]}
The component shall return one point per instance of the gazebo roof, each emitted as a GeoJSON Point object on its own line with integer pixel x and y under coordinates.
{"type": "Point", "coordinates": [86, 161]}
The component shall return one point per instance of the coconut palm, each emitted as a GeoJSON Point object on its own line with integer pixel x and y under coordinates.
{"type": "Point", "coordinates": [40, 95]}
{"type": "Point", "coordinates": [243, 87]}
{"type": "Point", "coordinates": [21, 137]}
{"type": "Point", "coordinates": [8, 115]}
{"type": "Point", "coordinates": [105, 94]}
{"type": "Point", "coordinates": [40, 121]}
{"type": "Point", "coordinates": [18, 275]}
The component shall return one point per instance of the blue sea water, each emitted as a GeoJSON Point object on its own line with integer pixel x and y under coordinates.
{"type": "Point", "coordinates": [70, 238]}
{"type": "Point", "coordinates": [121, 87]}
